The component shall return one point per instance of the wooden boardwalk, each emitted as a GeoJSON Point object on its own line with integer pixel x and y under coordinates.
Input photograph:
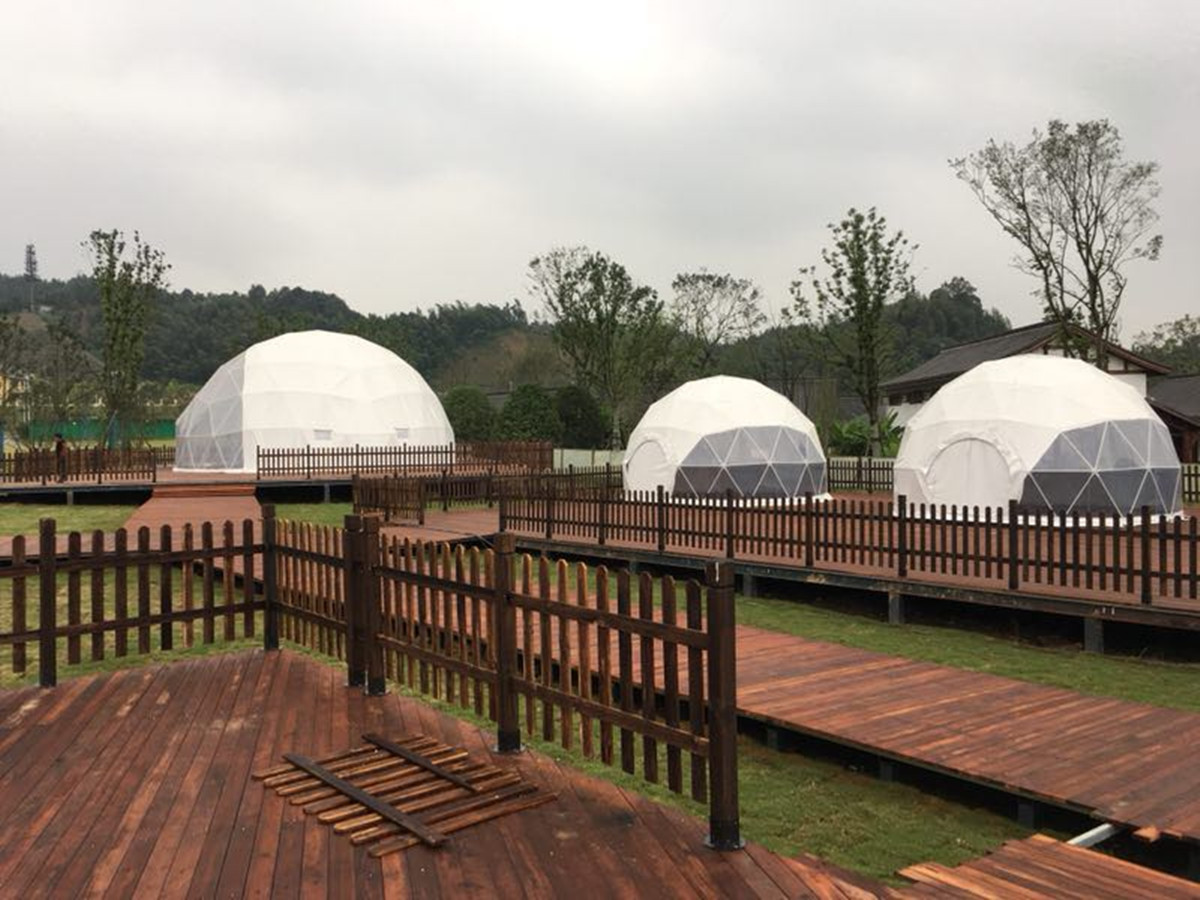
{"type": "Point", "coordinates": [138, 783]}
{"type": "Point", "coordinates": [1042, 867]}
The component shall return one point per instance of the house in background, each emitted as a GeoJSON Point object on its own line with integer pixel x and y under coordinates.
{"type": "Point", "coordinates": [1176, 400]}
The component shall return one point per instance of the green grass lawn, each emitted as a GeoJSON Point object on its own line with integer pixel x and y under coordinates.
{"type": "Point", "coordinates": [22, 518]}
{"type": "Point", "coordinates": [1165, 684]}
{"type": "Point", "coordinates": [316, 513]}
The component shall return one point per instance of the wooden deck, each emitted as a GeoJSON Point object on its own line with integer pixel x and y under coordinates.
{"type": "Point", "coordinates": [1124, 762]}
{"type": "Point", "coordinates": [138, 783]}
{"type": "Point", "coordinates": [1042, 867]}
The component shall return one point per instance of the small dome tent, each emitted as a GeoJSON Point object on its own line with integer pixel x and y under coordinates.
{"type": "Point", "coordinates": [1057, 435]}
{"type": "Point", "coordinates": [720, 433]}
{"type": "Point", "coordinates": [306, 388]}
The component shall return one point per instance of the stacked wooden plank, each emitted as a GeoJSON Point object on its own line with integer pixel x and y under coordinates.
{"type": "Point", "coordinates": [391, 795]}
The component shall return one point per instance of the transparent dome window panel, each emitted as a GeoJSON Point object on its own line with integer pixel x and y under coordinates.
{"type": "Point", "coordinates": [1059, 489]}
{"type": "Point", "coordinates": [1117, 453]}
{"type": "Point", "coordinates": [1086, 441]}
{"type": "Point", "coordinates": [1063, 456]}
{"type": "Point", "coordinates": [1137, 433]}
{"type": "Point", "coordinates": [760, 461]}
{"type": "Point", "coordinates": [1123, 487]}
{"type": "Point", "coordinates": [1169, 487]}
{"type": "Point", "coordinates": [1162, 451]}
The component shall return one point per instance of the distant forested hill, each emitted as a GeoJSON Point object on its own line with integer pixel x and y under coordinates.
{"type": "Point", "coordinates": [191, 334]}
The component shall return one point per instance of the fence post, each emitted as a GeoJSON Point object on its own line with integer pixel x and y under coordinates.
{"type": "Point", "coordinates": [445, 491]}
{"type": "Point", "coordinates": [420, 500]}
{"type": "Point", "coordinates": [351, 557]}
{"type": "Point", "coordinates": [810, 537]}
{"type": "Point", "coordinates": [372, 619]}
{"type": "Point", "coordinates": [508, 725]}
{"type": "Point", "coordinates": [602, 528]}
{"type": "Point", "coordinates": [724, 832]}
{"type": "Point", "coordinates": [47, 603]}
{"type": "Point", "coordinates": [729, 523]}
{"type": "Point", "coordinates": [549, 495]}
{"type": "Point", "coordinates": [1145, 542]}
{"type": "Point", "coordinates": [270, 597]}
{"type": "Point", "coordinates": [902, 537]}
{"type": "Point", "coordinates": [660, 512]}
{"type": "Point", "coordinates": [1014, 566]}
{"type": "Point", "coordinates": [858, 472]}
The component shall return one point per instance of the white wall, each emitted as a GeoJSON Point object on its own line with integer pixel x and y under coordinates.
{"type": "Point", "coordinates": [565, 457]}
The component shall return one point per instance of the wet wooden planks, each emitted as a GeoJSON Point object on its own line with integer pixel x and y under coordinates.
{"type": "Point", "coordinates": [1033, 739]}
{"type": "Point", "coordinates": [138, 782]}
{"type": "Point", "coordinates": [1043, 867]}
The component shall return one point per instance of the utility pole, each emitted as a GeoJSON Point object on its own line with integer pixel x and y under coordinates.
{"type": "Point", "coordinates": [31, 272]}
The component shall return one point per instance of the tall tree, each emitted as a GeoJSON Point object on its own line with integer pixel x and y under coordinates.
{"type": "Point", "coordinates": [866, 267]}
{"type": "Point", "coordinates": [711, 310]}
{"type": "Point", "coordinates": [470, 413]}
{"type": "Point", "coordinates": [61, 382]}
{"type": "Point", "coordinates": [126, 287]}
{"type": "Point", "coordinates": [1176, 344]}
{"type": "Point", "coordinates": [1080, 211]}
{"type": "Point", "coordinates": [612, 329]}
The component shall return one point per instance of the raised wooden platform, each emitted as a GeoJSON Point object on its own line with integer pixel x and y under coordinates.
{"type": "Point", "coordinates": [1043, 867]}
{"type": "Point", "coordinates": [138, 783]}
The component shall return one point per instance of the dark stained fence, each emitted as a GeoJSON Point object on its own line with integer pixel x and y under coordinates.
{"type": "Point", "coordinates": [81, 598]}
{"type": "Point", "coordinates": [1191, 483]}
{"type": "Point", "coordinates": [83, 464]}
{"type": "Point", "coordinates": [309, 462]}
{"type": "Point", "coordinates": [1139, 559]}
{"type": "Point", "coordinates": [634, 671]}
{"type": "Point", "coordinates": [859, 473]}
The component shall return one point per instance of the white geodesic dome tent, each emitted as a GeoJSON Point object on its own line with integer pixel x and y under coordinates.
{"type": "Point", "coordinates": [1057, 435]}
{"type": "Point", "coordinates": [721, 433]}
{"type": "Point", "coordinates": [307, 388]}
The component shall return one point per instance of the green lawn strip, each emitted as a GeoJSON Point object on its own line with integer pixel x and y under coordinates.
{"type": "Point", "coordinates": [1175, 685]}
{"type": "Point", "coordinates": [22, 518]}
{"type": "Point", "coordinates": [315, 513]}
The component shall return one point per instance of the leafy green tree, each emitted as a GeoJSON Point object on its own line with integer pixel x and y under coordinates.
{"type": "Point", "coordinates": [127, 286]}
{"type": "Point", "coordinates": [529, 414]}
{"type": "Point", "coordinates": [710, 311]}
{"type": "Point", "coordinates": [1080, 213]}
{"type": "Point", "coordinates": [1176, 344]}
{"type": "Point", "coordinates": [584, 424]}
{"type": "Point", "coordinates": [867, 267]}
{"type": "Point", "coordinates": [852, 437]}
{"type": "Point", "coordinates": [952, 314]}
{"type": "Point", "coordinates": [612, 330]}
{"type": "Point", "coordinates": [470, 412]}
{"type": "Point", "coordinates": [62, 378]}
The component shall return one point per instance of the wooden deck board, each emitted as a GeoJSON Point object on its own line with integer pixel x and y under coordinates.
{"type": "Point", "coordinates": [155, 798]}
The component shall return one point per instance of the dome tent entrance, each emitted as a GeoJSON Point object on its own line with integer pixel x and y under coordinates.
{"type": "Point", "coordinates": [717, 434]}
{"type": "Point", "coordinates": [307, 388]}
{"type": "Point", "coordinates": [1056, 435]}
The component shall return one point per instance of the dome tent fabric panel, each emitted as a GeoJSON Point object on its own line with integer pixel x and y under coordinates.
{"type": "Point", "coordinates": [307, 388]}
{"type": "Point", "coordinates": [717, 434]}
{"type": "Point", "coordinates": [1072, 440]}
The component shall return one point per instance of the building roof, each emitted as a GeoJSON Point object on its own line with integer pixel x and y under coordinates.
{"type": "Point", "coordinates": [1178, 395]}
{"type": "Point", "coordinates": [954, 361]}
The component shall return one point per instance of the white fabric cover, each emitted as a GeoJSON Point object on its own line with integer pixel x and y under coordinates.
{"type": "Point", "coordinates": [305, 388]}
{"type": "Point", "coordinates": [1049, 432]}
{"type": "Point", "coordinates": [720, 433]}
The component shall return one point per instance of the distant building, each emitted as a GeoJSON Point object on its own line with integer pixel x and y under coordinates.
{"type": "Point", "coordinates": [1175, 399]}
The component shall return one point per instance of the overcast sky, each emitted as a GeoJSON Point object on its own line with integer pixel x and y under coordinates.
{"type": "Point", "coordinates": [404, 154]}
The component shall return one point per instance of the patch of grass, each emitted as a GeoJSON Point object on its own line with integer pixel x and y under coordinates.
{"type": "Point", "coordinates": [1174, 685]}
{"type": "Point", "coordinates": [791, 804]}
{"type": "Point", "coordinates": [317, 513]}
{"type": "Point", "coordinates": [22, 518]}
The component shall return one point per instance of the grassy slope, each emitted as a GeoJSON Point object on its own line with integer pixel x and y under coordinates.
{"type": "Point", "coordinates": [22, 518]}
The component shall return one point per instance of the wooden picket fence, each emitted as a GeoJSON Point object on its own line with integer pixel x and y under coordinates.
{"type": "Point", "coordinates": [84, 464]}
{"type": "Point", "coordinates": [404, 498]}
{"type": "Point", "coordinates": [1141, 559]}
{"type": "Point", "coordinates": [79, 598]}
{"type": "Point", "coordinates": [859, 473]}
{"type": "Point", "coordinates": [476, 456]}
{"type": "Point", "coordinates": [1191, 483]}
{"type": "Point", "coordinates": [567, 654]}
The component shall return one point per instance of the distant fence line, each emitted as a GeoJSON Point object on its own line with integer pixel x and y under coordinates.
{"type": "Point", "coordinates": [1131, 559]}
{"type": "Point", "coordinates": [85, 464]}
{"type": "Point", "coordinates": [312, 461]}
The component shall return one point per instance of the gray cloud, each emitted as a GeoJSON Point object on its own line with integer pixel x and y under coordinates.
{"type": "Point", "coordinates": [406, 154]}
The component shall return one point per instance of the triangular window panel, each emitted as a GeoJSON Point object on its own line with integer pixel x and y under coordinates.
{"type": "Point", "coordinates": [1032, 497]}
{"type": "Point", "coordinates": [1062, 456]}
{"type": "Point", "coordinates": [745, 451]}
{"type": "Point", "coordinates": [787, 450]}
{"type": "Point", "coordinates": [1123, 487]}
{"type": "Point", "coordinates": [721, 442]}
{"type": "Point", "coordinates": [789, 475]}
{"type": "Point", "coordinates": [770, 486]}
{"type": "Point", "coordinates": [808, 483]}
{"type": "Point", "coordinates": [1168, 488]}
{"type": "Point", "coordinates": [1162, 451]}
{"type": "Point", "coordinates": [700, 477]}
{"type": "Point", "coordinates": [702, 455]}
{"type": "Point", "coordinates": [1117, 453]}
{"type": "Point", "coordinates": [1060, 488]}
{"type": "Point", "coordinates": [1092, 500]}
{"type": "Point", "coordinates": [746, 478]}
{"type": "Point", "coordinates": [1148, 496]}
{"type": "Point", "coordinates": [1137, 434]}
{"type": "Point", "coordinates": [1086, 441]}
{"type": "Point", "coordinates": [765, 438]}
{"type": "Point", "coordinates": [722, 483]}
{"type": "Point", "coordinates": [817, 470]}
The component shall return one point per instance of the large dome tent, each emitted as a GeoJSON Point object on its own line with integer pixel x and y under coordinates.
{"type": "Point", "coordinates": [1057, 435]}
{"type": "Point", "coordinates": [305, 388]}
{"type": "Point", "coordinates": [722, 433]}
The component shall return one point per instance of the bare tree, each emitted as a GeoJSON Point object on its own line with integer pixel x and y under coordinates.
{"type": "Point", "coordinates": [867, 267]}
{"type": "Point", "coordinates": [712, 310]}
{"type": "Point", "coordinates": [1080, 212]}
